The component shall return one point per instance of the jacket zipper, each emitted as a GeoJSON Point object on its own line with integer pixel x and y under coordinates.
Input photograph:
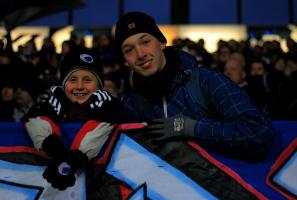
{"type": "Point", "coordinates": [165, 107]}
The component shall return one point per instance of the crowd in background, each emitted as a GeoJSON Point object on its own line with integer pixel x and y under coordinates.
{"type": "Point", "coordinates": [266, 73]}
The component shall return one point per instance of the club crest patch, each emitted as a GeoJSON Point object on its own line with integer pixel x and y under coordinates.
{"type": "Point", "coordinates": [86, 58]}
{"type": "Point", "coordinates": [64, 168]}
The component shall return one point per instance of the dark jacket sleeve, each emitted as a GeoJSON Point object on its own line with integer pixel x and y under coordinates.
{"type": "Point", "coordinates": [239, 127]}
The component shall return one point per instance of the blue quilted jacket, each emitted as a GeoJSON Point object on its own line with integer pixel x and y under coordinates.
{"type": "Point", "coordinates": [226, 118]}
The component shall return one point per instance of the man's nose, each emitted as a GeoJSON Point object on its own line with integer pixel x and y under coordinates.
{"type": "Point", "coordinates": [140, 52]}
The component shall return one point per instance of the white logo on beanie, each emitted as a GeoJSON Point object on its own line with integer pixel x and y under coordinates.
{"type": "Point", "coordinates": [86, 58]}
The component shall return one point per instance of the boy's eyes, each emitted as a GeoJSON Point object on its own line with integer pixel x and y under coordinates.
{"type": "Point", "coordinates": [72, 79]}
{"type": "Point", "coordinates": [87, 79]}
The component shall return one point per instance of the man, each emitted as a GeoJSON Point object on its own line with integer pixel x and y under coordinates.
{"type": "Point", "coordinates": [235, 70]}
{"type": "Point", "coordinates": [178, 99]}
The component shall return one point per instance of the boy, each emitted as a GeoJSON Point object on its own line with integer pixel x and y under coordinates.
{"type": "Point", "coordinates": [80, 98]}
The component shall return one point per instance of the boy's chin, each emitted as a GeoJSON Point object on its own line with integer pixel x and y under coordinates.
{"type": "Point", "coordinates": [80, 101]}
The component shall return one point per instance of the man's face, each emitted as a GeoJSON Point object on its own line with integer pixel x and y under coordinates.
{"type": "Point", "coordinates": [234, 71]}
{"type": "Point", "coordinates": [144, 54]}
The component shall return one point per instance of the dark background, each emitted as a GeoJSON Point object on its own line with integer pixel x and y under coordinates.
{"type": "Point", "coordinates": [249, 12]}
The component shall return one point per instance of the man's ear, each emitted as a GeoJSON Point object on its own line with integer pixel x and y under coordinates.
{"type": "Point", "coordinates": [163, 45]}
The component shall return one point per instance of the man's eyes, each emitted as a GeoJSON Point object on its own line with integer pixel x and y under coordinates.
{"type": "Point", "coordinates": [127, 50]}
{"type": "Point", "coordinates": [145, 41]}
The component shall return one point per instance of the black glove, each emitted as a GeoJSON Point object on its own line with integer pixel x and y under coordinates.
{"type": "Point", "coordinates": [53, 146]}
{"type": "Point", "coordinates": [168, 128]}
{"type": "Point", "coordinates": [98, 98]}
{"type": "Point", "coordinates": [103, 107]}
{"type": "Point", "coordinates": [52, 104]}
{"type": "Point", "coordinates": [61, 171]}
{"type": "Point", "coordinates": [58, 100]}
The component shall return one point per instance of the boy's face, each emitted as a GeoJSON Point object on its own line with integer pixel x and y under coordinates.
{"type": "Point", "coordinates": [80, 85]}
{"type": "Point", "coordinates": [144, 54]}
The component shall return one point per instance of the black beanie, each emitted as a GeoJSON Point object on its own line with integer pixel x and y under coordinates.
{"type": "Point", "coordinates": [75, 60]}
{"type": "Point", "coordinates": [136, 22]}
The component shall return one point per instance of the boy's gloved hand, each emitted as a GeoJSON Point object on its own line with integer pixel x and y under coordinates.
{"type": "Point", "coordinates": [103, 107]}
{"type": "Point", "coordinates": [58, 100]}
{"type": "Point", "coordinates": [98, 98]}
{"type": "Point", "coordinates": [61, 171]}
{"type": "Point", "coordinates": [167, 128]}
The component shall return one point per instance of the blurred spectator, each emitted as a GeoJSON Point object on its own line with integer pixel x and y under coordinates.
{"type": "Point", "coordinates": [234, 45]}
{"type": "Point", "coordinates": [7, 102]}
{"type": "Point", "coordinates": [115, 72]}
{"type": "Point", "coordinates": [24, 99]}
{"type": "Point", "coordinates": [235, 70]}
{"type": "Point", "coordinates": [292, 47]}
{"type": "Point", "coordinates": [178, 43]}
{"type": "Point", "coordinates": [2, 48]}
{"type": "Point", "coordinates": [67, 46]}
{"type": "Point", "coordinates": [47, 65]}
{"type": "Point", "coordinates": [223, 54]}
{"type": "Point", "coordinates": [289, 91]}
{"type": "Point", "coordinates": [292, 97]}
{"type": "Point", "coordinates": [16, 100]}
{"type": "Point", "coordinates": [113, 85]}
{"type": "Point", "coordinates": [258, 84]}
{"type": "Point", "coordinates": [104, 46]}
{"type": "Point", "coordinates": [267, 88]}
{"type": "Point", "coordinates": [4, 58]}
{"type": "Point", "coordinates": [28, 52]}
{"type": "Point", "coordinates": [102, 41]}
{"type": "Point", "coordinates": [199, 52]}
{"type": "Point", "coordinates": [291, 66]}
{"type": "Point", "coordinates": [280, 65]}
